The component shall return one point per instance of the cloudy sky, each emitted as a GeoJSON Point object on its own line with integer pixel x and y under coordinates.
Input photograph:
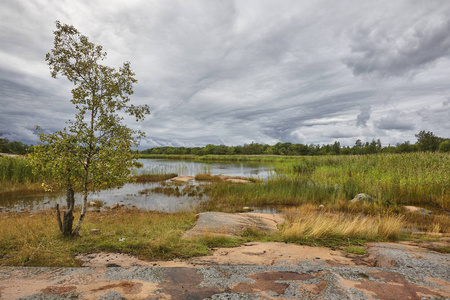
{"type": "Point", "coordinates": [235, 72]}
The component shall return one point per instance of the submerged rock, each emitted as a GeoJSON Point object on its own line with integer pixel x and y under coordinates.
{"type": "Point", "coordinates": [182, 178]}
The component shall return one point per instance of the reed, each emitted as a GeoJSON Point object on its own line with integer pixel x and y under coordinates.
{"type": "Point", "coordinates": [16, 170]}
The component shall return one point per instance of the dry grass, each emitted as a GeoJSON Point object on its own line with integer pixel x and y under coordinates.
{"type": "Point", "coordinates": [308, 221]}
{"type": "Point", "coordinates": [208, 177]}
{"type": "Point", "coordinates": [34, 239]}
{"type": "Point", "coordinates": [154, 177]}
{"type": "Point", "coordinates": [27, 239]}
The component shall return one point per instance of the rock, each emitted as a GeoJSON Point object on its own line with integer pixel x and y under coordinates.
{"type": "Point", "coordinates": [117, 205]}
{"type": "Point", "coordinates": [417, 210]}
{"type": "Point", "coordinates": [95, 231]}
{"type": "Point", "coordinates": [231, 225]}
{"type": "Point", "coordinates": [363, 197]}
{"type": "Point", "coordinates": [182, 178]}
{"type": "Point", "coordinates": [234, 180]}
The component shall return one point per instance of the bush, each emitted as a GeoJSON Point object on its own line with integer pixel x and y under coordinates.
{"type": "Point", "coordinates": [444, 146]}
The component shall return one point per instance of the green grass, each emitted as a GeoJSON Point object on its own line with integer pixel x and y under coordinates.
{"type": "Point", "coordinates": [34, 240]}
{"type": "Point", "coordinates": [355, 250]}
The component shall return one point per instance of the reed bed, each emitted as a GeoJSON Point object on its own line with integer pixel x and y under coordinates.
{"type": "Point", "coordinates": [16, 170]}
{"type": "Point", "coordinates": [421, 178]}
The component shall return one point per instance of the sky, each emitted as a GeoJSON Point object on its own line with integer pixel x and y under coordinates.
{"type": "Point", "coordinates": [236, 72]}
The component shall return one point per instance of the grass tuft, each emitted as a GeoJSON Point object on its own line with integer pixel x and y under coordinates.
{"type": "Point", "coordinates": [154, 177]}
{"type": "Point", "coordinates": [305, 222]}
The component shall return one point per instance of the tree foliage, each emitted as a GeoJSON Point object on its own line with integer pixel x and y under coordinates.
{"type": "Point", "coordinates": [12, 147]}
{"type": "Point", "coordinates": [95, 148]}
{"type": "Point", "coordinates": [427, 141]}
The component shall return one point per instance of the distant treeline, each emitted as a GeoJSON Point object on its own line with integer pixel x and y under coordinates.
{"type": "Point", "coordinates": [426, 141]}
{"type": "Point", "coordinates": [12, 147]}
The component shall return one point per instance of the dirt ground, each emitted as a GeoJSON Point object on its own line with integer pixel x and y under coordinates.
{"type": "Point", "coordinates": [253, 271]}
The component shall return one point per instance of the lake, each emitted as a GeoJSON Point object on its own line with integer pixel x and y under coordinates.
{"type": "Point", "coordinates": [139, 195]}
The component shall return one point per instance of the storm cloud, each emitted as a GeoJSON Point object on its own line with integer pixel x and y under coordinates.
{"type": "Point", "coordinates": [235, 72]}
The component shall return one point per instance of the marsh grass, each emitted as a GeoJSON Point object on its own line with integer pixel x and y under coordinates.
{"type": "Point", "coordinates": [16, 170]}
{"type": "Point", "coordinates": [16, 175]}
{"type": "Point", "coordinates": [393, 179]}
{"type": "Point", "coordinates": [413, 178]}
{"type": "Point", "coordinates": [207, 177]}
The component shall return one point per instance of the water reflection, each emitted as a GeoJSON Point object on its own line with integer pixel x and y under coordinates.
{"type": "Point", "coordinates": [192, 168]}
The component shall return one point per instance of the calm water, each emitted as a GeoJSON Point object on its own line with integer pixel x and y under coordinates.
{"type": "Point", "coordinates": [192, 168]}
{"type": "Point", "coordinates": [136, 195]}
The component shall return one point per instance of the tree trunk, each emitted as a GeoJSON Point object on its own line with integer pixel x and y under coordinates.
{"type": "Point", "coordinates": [67, 222]}
{"type": "Point", "coordinates": [83, 205]}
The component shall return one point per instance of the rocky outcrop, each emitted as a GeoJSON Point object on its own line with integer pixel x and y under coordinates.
{"type": "Point", "coordinates": [252, 271]}
{"type": "Point", "coordinates": [231, 225]}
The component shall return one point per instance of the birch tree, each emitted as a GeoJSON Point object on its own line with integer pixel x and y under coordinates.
{"type": "Point", "coordinates": [94, 150]}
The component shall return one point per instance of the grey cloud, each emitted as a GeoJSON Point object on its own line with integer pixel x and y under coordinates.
{"type": "Point", "coordinates": [363, 116]}
{"type": "Point", "coordinates": [237, 71]}
{"type": "Point", "coordinates": [337, 134]}
{"type": "Point", "coordinates": [395, 120]}
{"type": "Point", "coordinates": [386, 50]}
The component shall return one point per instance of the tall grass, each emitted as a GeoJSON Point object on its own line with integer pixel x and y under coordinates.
{"type": "Point", "coordinates": [308, 222]}
{"type": "Point", "coordinates": [16, 170]}
{"type": "Point", "coordinates": [413, 178]}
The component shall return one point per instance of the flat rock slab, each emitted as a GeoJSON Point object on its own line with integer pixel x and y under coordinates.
{"type": "Point", "coordinates": [231, 225]}
{"type": "Point", "coordinates": [253, 253]}
{"type": "Point", "coordinates": [182, 178]}
{"type": "Point", "coordinates": [418, 210]}
{"type": "Point", "coordinates": [418, 274]}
